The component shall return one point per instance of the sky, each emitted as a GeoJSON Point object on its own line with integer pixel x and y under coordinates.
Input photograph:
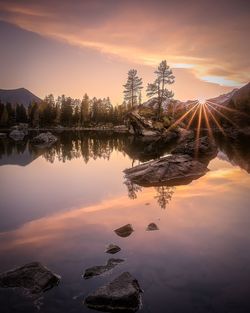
{"type": "Point", "coordinates": [73, 47]}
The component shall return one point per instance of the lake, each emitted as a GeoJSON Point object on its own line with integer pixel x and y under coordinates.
{"type": "Point", "coordinates": [61, 205]}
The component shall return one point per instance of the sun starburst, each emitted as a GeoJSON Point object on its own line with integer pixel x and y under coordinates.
{"type": "Point", "coordinates": [205, 113]}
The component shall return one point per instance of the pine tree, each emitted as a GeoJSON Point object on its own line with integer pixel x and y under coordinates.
{"type": "Point", "coordinates": [132, 87]}
{"type": "Point", "coordinates": [84, 111]}
{"type": "Point", "coordinates": [158, 87]}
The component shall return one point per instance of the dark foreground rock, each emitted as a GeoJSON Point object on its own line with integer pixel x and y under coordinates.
{"type": "Point", "coordinates": [34, 277]}
{"type": "Point", "coordinates": [101, 269]}
{"type": "Point", "coordinates": [152, 226]}
{"type": "Point", "coordinates": [121, 295]}
{"type": "Point", "coordinates": [171, 170]}
{"type": "Point", "coordinates": [203, 149]}
{"type": "Point", "coordinates": [124, 231]}
{"type": "Point", "coordinates": [112, 249]}
{"type": "Point", "coordinates": [44, 139]}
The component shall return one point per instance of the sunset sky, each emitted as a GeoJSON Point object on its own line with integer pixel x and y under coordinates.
{"type": "Point", "coordinates": [73, 47]}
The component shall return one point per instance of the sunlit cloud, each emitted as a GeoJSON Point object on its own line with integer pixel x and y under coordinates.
{"type": "Point", "coordinates": [217, 53]}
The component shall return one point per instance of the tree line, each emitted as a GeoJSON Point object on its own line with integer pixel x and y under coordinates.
{"type": "Point", "coordinates": [64, 111]}
{"type": "Point", "coordinates": [87, 112]}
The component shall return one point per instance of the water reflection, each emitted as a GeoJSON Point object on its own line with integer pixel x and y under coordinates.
{"type": "Point", "coordinates": [235, 151]}
{"type": "Point", "coordinates": [197, 261]}
{"type": "Point", "coordinates": [88, 145]}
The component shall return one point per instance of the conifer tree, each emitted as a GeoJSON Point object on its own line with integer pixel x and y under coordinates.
{"type": "Point", "coordinates": [132, 87]}
{"type": "Point", "coordinates": [164, 77]}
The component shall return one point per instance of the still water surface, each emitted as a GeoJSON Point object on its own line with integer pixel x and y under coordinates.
{"type": "Point", "coordinates": [60, 206]}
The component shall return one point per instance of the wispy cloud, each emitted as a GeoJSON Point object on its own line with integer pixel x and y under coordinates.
{"type": "Point", "coordinates": [208, 37]}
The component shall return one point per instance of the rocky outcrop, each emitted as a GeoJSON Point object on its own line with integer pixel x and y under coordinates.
{"type": "Point", "coordinates": [171, 170]}
{"type": "Point", "coordinates": [121, 295]}
{"type": "Point", "coordinates": [112, 249]}
{"type": "Point", "coordinates": [203, 149]}
{"type": "Point", "coordinates": [34, 277]}
{"type": "Point", "coordinates": [44, 139]}
{"type": "Point", "coordinates": [124, 231]}
{"type": "Point", "coordinates": [101, 269]}
{"type": "Point", "coordinates": [152, 226]}
{"type": "Point", "coordinates": [140, 125]}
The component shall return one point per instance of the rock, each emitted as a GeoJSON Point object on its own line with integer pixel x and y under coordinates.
{"type": "Point", "coordinates": [17, 135]}
{"type": "Point", "coordinates": [152, 226]}
{"type": "Point", "coordinates": [171, 170]}
{"type": "Point", "coordinates": [3, 135]}
{"type": "Point", "coordinates": [44, 139]}
{"type": "Point", "coordinates": [124, 231]}
{"type": "Point", "coordinates": [112, 249]}
{"type": "Point", "coordinates": [141, 125]}
{"type": "Point", "coordinates": [202, 149]}
{"type": "Point", "coordinates": [121, 295]}
{"type": "Point", "coordinates": [100, 269]}
{"type": "Point", "coordinates": [34, 277]}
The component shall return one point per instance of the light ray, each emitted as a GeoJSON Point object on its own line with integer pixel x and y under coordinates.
{"type": "Point", "coordinates": [225, 107]}
{"type": "Point", "coordinates": [198, 131]}
{"type": "Point", "coordinates": [207, 122]}
{"type": "Point", "coordinates": [215, 120]}
{"type": "Point", "coordinates": [221, 114]}
{"type": "Point", "coordinates": [192, 117]}
{"type": "Point", "coordinates": [182, 117]}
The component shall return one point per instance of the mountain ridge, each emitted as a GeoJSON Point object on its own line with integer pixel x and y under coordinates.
{"type": "Point", "coordinates": [18, 96]}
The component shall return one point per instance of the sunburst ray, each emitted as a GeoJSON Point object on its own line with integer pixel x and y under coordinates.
{"type": "Point", "coordinates": [182, 117]}
{"type": "Point", "coordinates": [215, 120]}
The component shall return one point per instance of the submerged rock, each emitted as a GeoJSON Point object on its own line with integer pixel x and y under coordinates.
{"type": "Point", "coordinates": [17, 134]}
{"type": "Point", "coordinates": [124, 231]}
{"type": "Point", "coordinates": [112, 249]}
{"type": "Point", "coordinates": [34, 277]}
{"type": "Point", "coordinates": [171, 170]}
{"type": "Point", "coordinates": [121, 295]}
{"type": "Point", "coordinates": [203, 148]}
{"type": "Point", "coordinates": [44, 139]}
{"type": "Point", "coordinates": [100, 269]}
{"type": "Point", "coordinates": [152, 226]}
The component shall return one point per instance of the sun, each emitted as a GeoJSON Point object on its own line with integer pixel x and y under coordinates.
{"type": "Point", "coordinates": [202, 101]}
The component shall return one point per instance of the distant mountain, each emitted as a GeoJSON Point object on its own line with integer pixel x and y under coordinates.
{"type": "Point", "coordinates": [223, 98]}
{"type": "Point", "coordinates": [20, 96]}
{"type": "Point", "coordinates": [242, 94]}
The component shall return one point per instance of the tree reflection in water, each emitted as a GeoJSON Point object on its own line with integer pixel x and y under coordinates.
{"type": "Point", "coordinates": [164, 195]}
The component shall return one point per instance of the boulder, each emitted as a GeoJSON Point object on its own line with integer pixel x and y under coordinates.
{"type": "Point", "coordinates": [171, 170]}
{"type": "Point", "coordinates": [100, 269]}
{"type": "Point", "coordinates": [123, 294]}
{"type": "Point", "coordinates": [44, 139]}
{"type": "Point", "coordinates": [152, 226]}
{"type": "Point", "coordinates": [17, 134]}
{"type": "Point", "coordinates": [140, 125]}
{"type": "Point", "coordinates": [34, 277]}
{"type": "Point", "coordinates": [203, 148]}
{"type": "Point", "coordinates": [112, 249]}
{"type": "Point", "coordinates": [124, 231]}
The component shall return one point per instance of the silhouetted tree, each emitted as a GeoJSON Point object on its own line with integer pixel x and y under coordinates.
{"type": "Point", "coordinates": [132, 87]}
{"type": "Point", "coordinates": [164, 76]}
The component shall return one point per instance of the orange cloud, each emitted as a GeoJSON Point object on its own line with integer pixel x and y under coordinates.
{"type": "Point", "coordinates": [214, 46]}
